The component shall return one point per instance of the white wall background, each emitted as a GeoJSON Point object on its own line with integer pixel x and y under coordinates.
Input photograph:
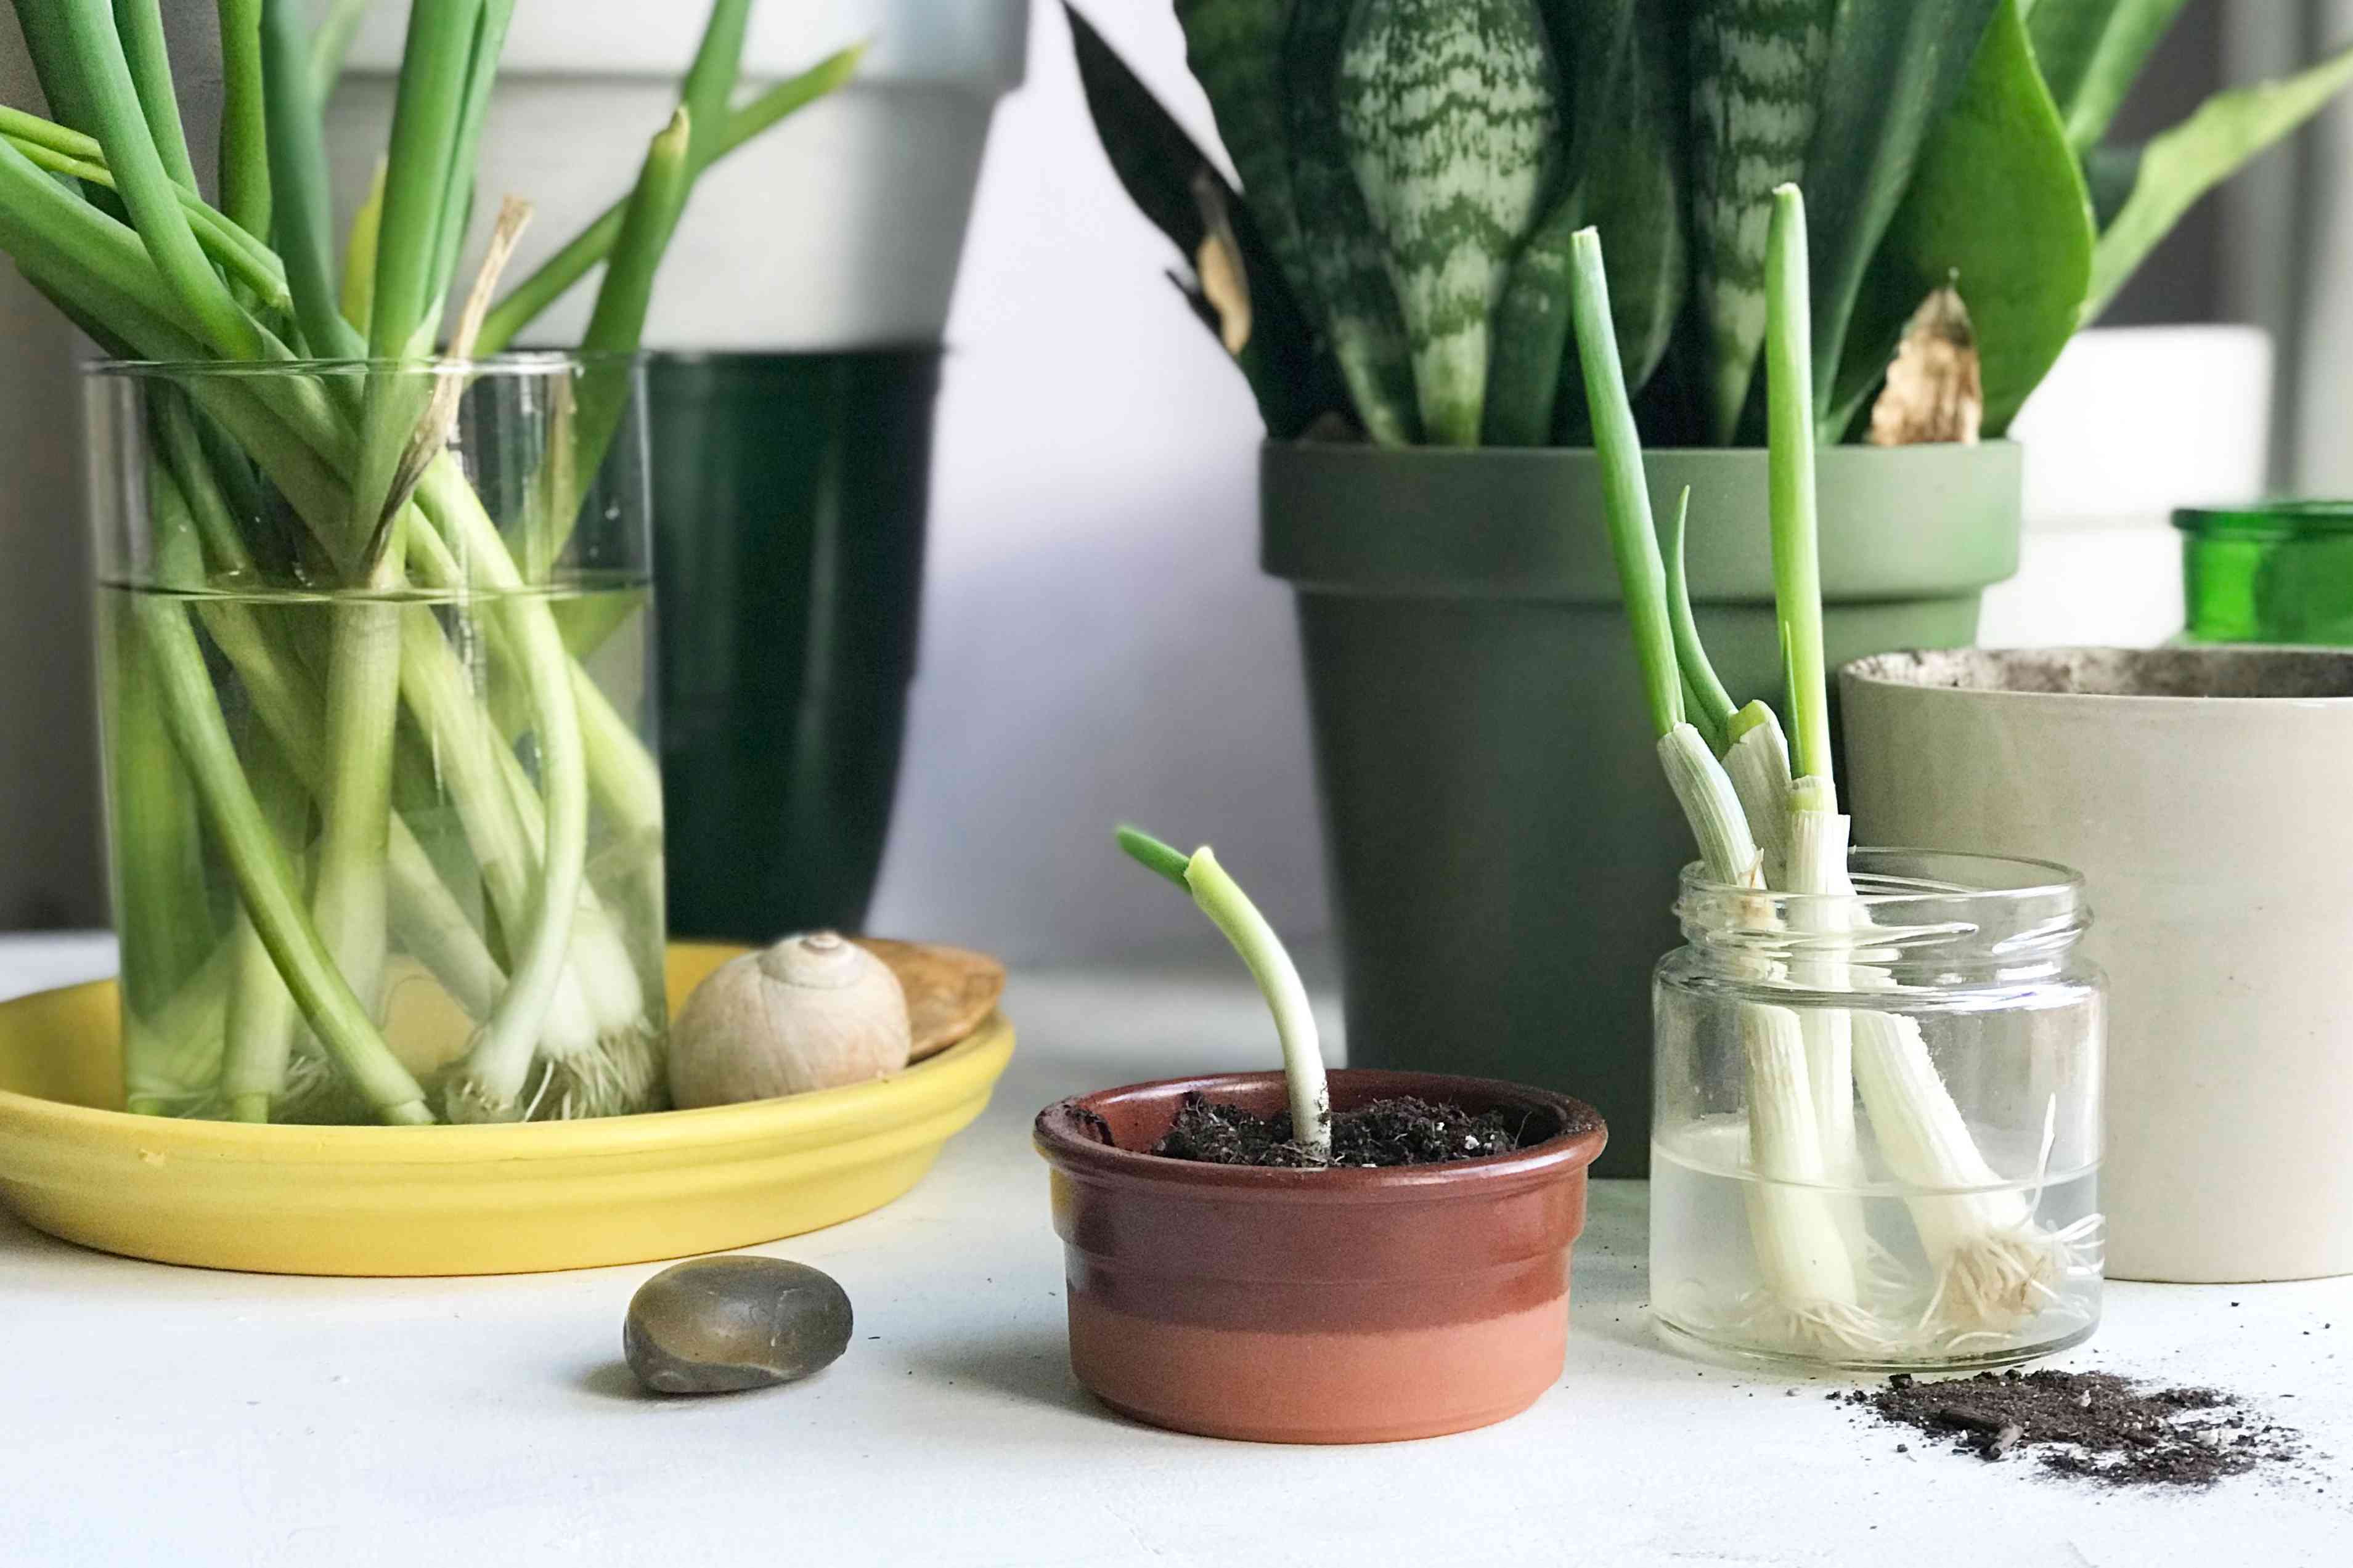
{"type": "Point", "coordinates": [1098, 643]}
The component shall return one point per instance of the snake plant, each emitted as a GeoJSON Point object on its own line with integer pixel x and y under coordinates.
{"type": "Point", "coordinates": [1411, 173]}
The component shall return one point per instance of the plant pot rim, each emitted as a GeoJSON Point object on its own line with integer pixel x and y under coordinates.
{"type": "Point", "coordinates": [2188, 683]}
{"type": "Point", "coordinates": [1061, 1137]}
{"type": "Point", "coordinates": [913, 352]}
{"type": "Point", "coordinates": [1309, 448]}
{"type": "Point", "coordinates": [2267, 520]}
{"type": "Point", "coordinates": [980, 49]}
{"type": "Point", "coordinates": [1898, 524]}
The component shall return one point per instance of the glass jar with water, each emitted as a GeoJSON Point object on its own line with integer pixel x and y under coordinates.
{"type": "Point", "coordinates": [1876, 1139]}
{"type": "Point", "coordinates": [385, 818]}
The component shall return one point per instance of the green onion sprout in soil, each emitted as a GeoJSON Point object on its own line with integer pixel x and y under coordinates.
{"type": "Point", "coordinates": [1391, 259]}
{"type": "Point", "coordinates": [306, 787]}
{"type": "Point", "coordinates": [1766, 815]}
{"type": "Point", "coordinates": [1229, 909]}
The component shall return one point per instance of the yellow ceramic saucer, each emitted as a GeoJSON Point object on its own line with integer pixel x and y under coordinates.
{"type": "Point", "coordinates": [452, 1200]}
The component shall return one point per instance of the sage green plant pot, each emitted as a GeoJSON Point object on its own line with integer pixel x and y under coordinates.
{"type": "Point", "coordinates": [1502, 848]}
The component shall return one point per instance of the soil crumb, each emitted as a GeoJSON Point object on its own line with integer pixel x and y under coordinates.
{"type": "Point", "coordinates": [2089, 1425]}
{"type": "Point", "coordinates": [1400, 1132]}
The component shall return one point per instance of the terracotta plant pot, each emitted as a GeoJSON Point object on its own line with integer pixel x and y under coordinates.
{"type": "Point", "coordinates": [1333, 1306]}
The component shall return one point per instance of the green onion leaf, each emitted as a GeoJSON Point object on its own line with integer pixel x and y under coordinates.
{"type": "Point", "coordinates": [1796, 553]}
{"type": "Point", "coordinates": [1155, 855]}
{"type": "Point", "coordinates": [1633, 537]}
{"type": "Point", "coordinates": [1711, 706]}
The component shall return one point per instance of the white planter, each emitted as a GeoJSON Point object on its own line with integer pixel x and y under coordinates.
{"type": "Point", "coordinates": [841, 229]}
{"type": "Point", "coordinates": [2210, 824]}
{"type": "Point", "coordinates": [2131, 423]}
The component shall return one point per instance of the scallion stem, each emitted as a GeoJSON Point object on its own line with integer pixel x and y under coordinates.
{"type": "Point", "coordinates": [244, 135]}
{"type": "Point", "coordinates": [463, 152]}
{"type": "Point", "coordinates": [619, 321]}
{"type": "Point", "coordinates": [262, 1020]}
{"type": "Point", "coordinates": [151, 180]}
{"type": "Point", "coordinates": [1633, 537]}
{"type": "Point", "coordinates": [296, 164]}
{"type": "Point", "coordinates": [1757, 758]}
{"type": "Point", "coordinates": [140, 24]}
{"type": "Point", "coordinates": [1230, 911]}
{"type": "Point", "coordinates": [429, 108]}
{"type": "Point", "coordinates": [554, 277]}
{"type": "Point", "coordinates": [1800, 1243]}
{"type": "Point", "coordinates": [1709, 705]}
{"type": "Point", "coordinates": [265, 882]}
{"type": "Point", "coordinates": [1796, 549]}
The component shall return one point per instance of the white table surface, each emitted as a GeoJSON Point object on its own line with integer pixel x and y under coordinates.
{"type": "Point", "coordinates": [153, 1413]}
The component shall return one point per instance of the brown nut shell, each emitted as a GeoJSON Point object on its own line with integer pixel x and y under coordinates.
{"type": "Point", "coordinates": [950, 990]}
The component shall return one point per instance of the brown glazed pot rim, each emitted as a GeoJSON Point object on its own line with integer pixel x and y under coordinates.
{"type": "Point", "coordinates": [1061, 1137]}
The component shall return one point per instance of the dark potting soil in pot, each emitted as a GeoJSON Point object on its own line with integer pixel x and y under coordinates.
{"type": "Point", "coordinates": [1398, 1131]}
{"type": "Point", "coordinates": [2091, 1426]}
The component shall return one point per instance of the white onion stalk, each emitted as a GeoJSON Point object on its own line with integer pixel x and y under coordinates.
{"type": "Point", "coordinates": [1712, 808]}
{"type": "Point", "coordinates": [1758, 761]}
{"type": "Point", "coordinates": [1229, 909]}
{"type": "Point", "coordinates": [1803, 1247]}
{"type": "Point", "coordinates": [1995, 1264]}
{"type": "Point", "coordinates": [1808, 1297]}
{"type": "Point", "coordinates": [1803, 1244]}
{"type": "Point", "coordinates": [1817, 864]}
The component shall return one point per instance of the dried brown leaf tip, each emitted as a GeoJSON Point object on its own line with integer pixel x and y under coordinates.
{"type": "Point", "coordinates": [1218, 263]}
{"type": "Point", "coordinates": [1933, 391]}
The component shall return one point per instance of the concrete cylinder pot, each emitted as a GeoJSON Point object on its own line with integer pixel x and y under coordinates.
{"type": "Point", "coordinates": [1316, 1306]}
{"type": "Point", "coordinates": [1502, 850]}
{"type": "Point", "coordinates": [2201, 792]}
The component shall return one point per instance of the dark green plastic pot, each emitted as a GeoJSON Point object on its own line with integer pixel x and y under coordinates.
{"type": "Point", "coordinates": [790, 494]}
{"type": "Point", "coordinates": [1503, 846]}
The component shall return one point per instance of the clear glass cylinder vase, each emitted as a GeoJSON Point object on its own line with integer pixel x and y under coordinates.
{"type": "Point", "coordinates": [384, 817]}
{"type": "Point", "coordinates": [1876, 1138]}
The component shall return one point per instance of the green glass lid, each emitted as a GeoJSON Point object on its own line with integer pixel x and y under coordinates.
{"type": "Point", "coordinates": [2267, 519]}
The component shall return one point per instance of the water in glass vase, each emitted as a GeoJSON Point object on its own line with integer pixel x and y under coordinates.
{"type": "Point", "coordinates": [417, 847]}
{"type": "Point", "coordinates": [2033, 1288]}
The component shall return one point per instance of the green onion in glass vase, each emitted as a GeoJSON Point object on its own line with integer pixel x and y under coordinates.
{"type": "Point", "coordinates": [1809, 1065]}
{"type": "Point", "coordinates": [370, 763]}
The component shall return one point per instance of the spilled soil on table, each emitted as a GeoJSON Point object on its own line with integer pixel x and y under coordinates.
{"type": "Point", "coordinates": [2089, 1425]}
